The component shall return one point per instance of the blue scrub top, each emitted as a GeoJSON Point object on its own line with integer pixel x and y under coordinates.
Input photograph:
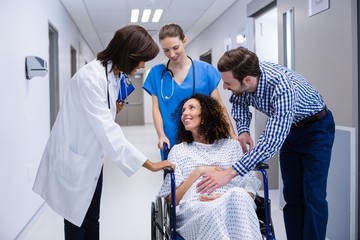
{"type": "Point", "coordinates": [207, 79]}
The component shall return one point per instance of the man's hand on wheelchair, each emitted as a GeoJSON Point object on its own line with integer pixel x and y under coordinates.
{"type": "Point", "coordinates": [214, 180]}
{"type": "Point", "coordinates": [245, 141]}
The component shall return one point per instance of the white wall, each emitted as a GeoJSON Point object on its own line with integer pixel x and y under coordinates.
{"type": "Point", "coordinates": [25, 121]}
{"type": "Point", "coordinates": [148, 119]}
{"type": "Point", "coordinates": [326, 54]}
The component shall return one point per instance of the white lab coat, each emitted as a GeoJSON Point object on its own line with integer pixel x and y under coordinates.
{"type": "Point", "coordinates": [83, 132]}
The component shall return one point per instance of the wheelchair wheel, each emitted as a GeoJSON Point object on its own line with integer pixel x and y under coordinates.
{"type": "Point", "coordinates": [159, 219]}
{"type": "Point", "coordinates": [153, 220]}
{"type": "Point", "coordinates": [260, 212]}
{"type": "Point", "coordinates": [157, 222]}
{"type": "Point", "coordinates": [166, 215]}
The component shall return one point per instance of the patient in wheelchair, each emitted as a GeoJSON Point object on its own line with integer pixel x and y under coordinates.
{"type": "Point", "coordinates": [204, 145]}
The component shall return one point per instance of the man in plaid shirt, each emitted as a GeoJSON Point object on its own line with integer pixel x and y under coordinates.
{"type": "Point", "coordinates": [299, 125]}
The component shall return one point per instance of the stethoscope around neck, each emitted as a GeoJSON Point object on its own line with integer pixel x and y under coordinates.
{"type": "Point", "coordinates": [172, 79]}
{"type": "Point", "coordinates": [127, 81]}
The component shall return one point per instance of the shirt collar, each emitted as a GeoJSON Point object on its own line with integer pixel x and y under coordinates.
{"type": "Point", "coordinates": [112, 78]}
{"type": "Point", "coordinates": [260, 90]}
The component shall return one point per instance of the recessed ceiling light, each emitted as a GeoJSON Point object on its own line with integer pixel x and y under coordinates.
{"type": "Point", "coordinates": [146, 15]}
{"type": "Point", "coordinates": [135, 15]}
{"type": "Point", "coordinates": [157, 15]}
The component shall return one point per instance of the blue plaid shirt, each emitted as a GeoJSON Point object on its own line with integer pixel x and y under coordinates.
{"type": "Point", "coordinates": [286, 98]}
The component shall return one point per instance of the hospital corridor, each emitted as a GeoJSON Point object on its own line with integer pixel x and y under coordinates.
{"type": "Point", "coordinates": [284, 74]}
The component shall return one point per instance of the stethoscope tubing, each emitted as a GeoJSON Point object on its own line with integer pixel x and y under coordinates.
{"type": "Point", "coordinates": [172, 79]}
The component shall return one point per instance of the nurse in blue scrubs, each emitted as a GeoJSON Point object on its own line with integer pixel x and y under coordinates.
{"type": "Point", "coordinates": [179, 78]}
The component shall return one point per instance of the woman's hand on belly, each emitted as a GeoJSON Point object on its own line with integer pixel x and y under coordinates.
{"type": "Point", "coordinates": [207, 198]}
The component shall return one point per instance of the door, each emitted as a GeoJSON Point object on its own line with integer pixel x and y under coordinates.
{"type": "Point", "coordinates": [53, 74]}
{"type": "Point", "coordinates": [266, 48]}
{"type": "Point", "coordinates": [133, 112]}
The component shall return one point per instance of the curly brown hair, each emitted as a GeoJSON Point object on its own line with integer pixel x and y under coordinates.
{"type": "Point", "coordinates": [213, 121]}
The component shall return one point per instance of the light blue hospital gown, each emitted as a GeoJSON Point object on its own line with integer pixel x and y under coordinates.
{"type": "Point", "coordinates": [207, 78]}
{"type": "Point", "coordinates": [232, 216]}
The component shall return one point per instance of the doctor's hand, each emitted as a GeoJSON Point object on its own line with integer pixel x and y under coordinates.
{"type": "Point", "coordinates": [154, 167]}
{"type": "Point", "coordinates": [119, 106]}
{"type": "Point", "coordinates": [214, 180]}
{"type": "Point", "coordinates": [246, 142]}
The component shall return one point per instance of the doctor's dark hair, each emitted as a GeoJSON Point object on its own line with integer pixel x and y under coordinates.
{"type": "Point", "coordinates": [213, 124]}
{"type": "Point", "coordinates": [129, 46]}
{"type": "Point", "coordinates": [241, 62]}
{"type": "Point", "coordinates": [171, 30]}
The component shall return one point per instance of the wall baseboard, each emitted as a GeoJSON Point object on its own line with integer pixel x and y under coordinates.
{"type": "Point", "coordinates": [32, 222]}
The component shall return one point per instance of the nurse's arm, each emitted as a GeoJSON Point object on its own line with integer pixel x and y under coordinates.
{"type": "Point", "coordinates": [158, 122]}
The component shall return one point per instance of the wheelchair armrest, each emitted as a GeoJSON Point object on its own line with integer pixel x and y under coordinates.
{"type": "Point", "coordinates": [261, 165]}
{"type": "Point", "coordinates": [168, 170]}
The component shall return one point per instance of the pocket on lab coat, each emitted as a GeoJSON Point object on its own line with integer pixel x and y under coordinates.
{"type": "Point", "coordinates": [70, 165]}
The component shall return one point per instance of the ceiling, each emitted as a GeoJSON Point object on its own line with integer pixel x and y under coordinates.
{"type": "Point", "coordinates": [98, 20]}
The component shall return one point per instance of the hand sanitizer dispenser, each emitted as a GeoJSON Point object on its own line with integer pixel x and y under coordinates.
{"type": "Point", "coordinates": [35, 67]}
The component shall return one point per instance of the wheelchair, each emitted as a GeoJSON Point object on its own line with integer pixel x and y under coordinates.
{"type": "Point", "coordinates": [163, 214]}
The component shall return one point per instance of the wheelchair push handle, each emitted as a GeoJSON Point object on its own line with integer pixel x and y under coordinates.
{"type": "Point", "coordinates": [261, 165]}
{"type": "Point", "coordinates": [165, 151]}
{"type": "Point", "coordinates": [168, 170]}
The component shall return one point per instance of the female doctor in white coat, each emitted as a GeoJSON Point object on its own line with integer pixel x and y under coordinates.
{"type": "Point", "coordinates": [69, 177]}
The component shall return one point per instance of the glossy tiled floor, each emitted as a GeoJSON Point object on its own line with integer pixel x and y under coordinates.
{"type": "Point", "coordinates": [126, 202]}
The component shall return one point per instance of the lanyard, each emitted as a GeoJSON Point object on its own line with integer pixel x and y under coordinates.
{"type": "Point", "coordinates": [107, 85]}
